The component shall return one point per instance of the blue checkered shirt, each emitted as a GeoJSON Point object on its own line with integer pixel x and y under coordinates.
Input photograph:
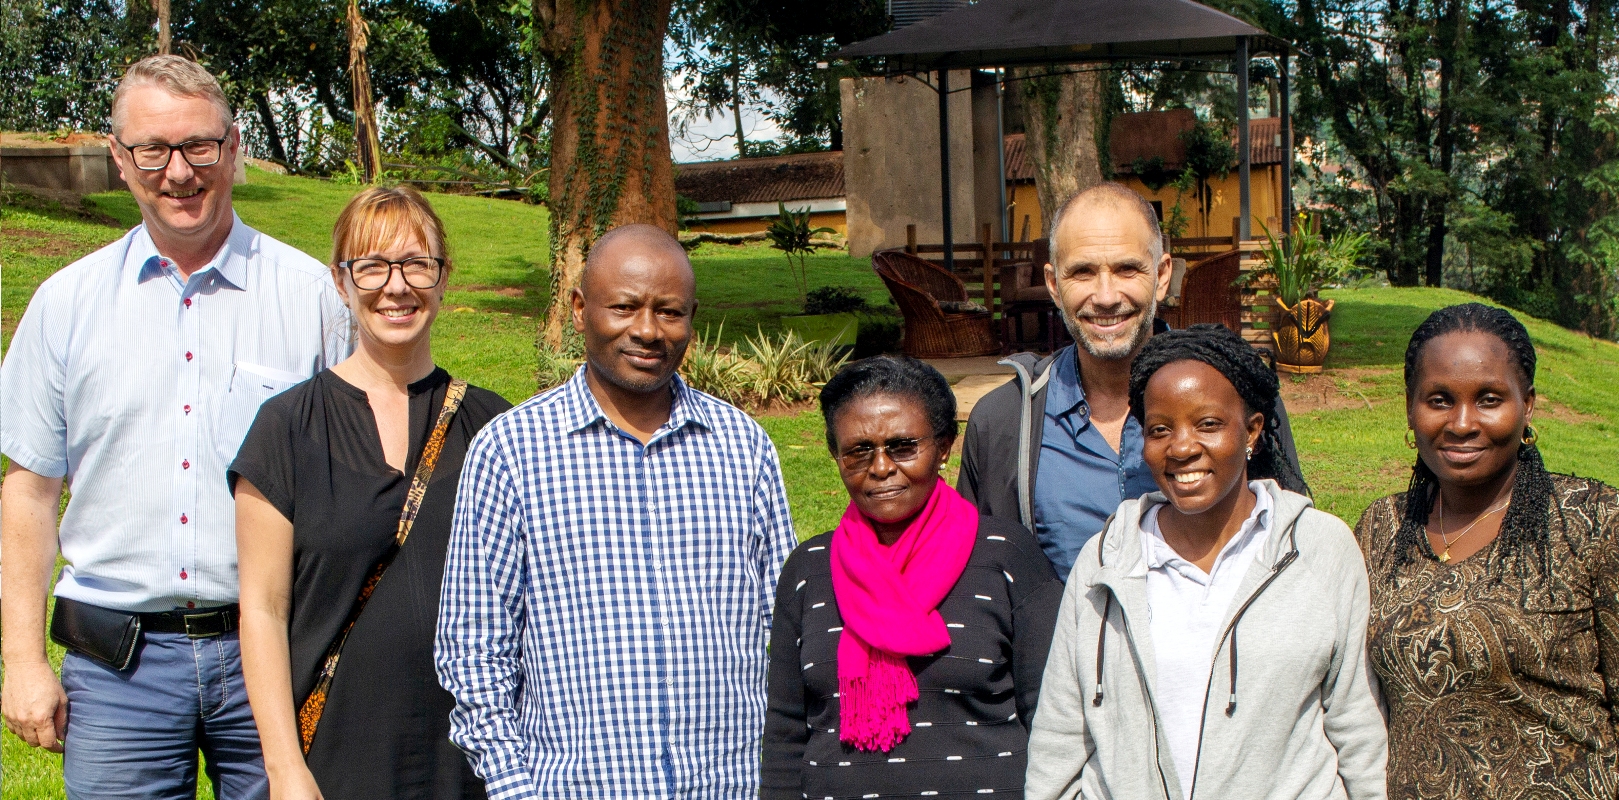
{"type": "Point", "coordinates": [606, 605]}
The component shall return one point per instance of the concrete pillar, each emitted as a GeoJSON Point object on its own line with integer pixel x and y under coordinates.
{"type": "Point", "coordinates": [987, 151]}
{"type": "Point", "coordinates": [891, 161]}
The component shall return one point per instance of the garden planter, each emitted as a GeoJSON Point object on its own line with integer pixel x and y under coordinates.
{"type": "Point", "coordinates": [837, 329]}
{"type": "Point", "coordinates": [1301, 335]}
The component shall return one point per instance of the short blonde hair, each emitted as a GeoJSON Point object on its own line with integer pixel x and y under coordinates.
{"type": "Point", "coordinates": [175, 75]}
{"type": "Point", "coordinates": [382, 215]}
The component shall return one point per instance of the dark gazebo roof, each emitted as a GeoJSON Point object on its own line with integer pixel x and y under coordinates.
{"type": "Point", "coordinates": [1002, 33]}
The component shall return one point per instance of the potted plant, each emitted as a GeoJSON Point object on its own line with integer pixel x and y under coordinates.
{"type": "Point", "coordinates": [831, 316]}
{"type": "Point", "coordinates": [1301, 265]}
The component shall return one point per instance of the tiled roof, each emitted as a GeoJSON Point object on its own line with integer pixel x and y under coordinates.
{"type": "Point", "coordinates": [805, 176]}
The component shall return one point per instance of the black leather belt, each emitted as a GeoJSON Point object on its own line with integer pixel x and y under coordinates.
{"type": "Point", "coordinates": [200, 623]}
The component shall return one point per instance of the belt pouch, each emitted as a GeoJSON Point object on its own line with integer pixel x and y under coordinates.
{"type": "Point", "coordinates": [97, 633]}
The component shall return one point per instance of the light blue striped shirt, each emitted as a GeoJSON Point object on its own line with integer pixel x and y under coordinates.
{"type": "Point", "coordinates": [606, 606]}
{"type": "Point", "coordinates": [138, 385]}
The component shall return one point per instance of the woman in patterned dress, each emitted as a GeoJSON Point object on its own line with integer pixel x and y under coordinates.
{"type": "Point", "coordinates": [1495, 585]}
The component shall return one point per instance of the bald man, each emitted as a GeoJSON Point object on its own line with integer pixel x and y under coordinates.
{"type": "Point", "coordinates": [1056, 448]}
{"type": "Point", "coordinates": [607, 594]}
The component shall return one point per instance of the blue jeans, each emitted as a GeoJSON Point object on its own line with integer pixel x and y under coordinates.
{"type": "Point", "coordinates": [136, 733]}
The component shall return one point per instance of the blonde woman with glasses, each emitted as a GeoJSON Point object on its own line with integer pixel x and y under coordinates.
{"type": "Point", "coordinates": [344, 492]}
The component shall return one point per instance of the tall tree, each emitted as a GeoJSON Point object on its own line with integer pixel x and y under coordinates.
{"type": "Point", "coordinates": [165, 41]}
{"type": "Point", "coordinates": [1387, 82]}
{"type": "Point", "coordinates": [767, 54]}
{"type": "Point", "coordinates": [1063, 113]}
{"type": "Point", "coordinates": [610, 160]}
{"type": "Point", "coordinates": [367, 146]}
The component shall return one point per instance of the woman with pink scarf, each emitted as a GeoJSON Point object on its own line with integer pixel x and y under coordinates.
{"type": "Point", "coordinates": [908, 643]}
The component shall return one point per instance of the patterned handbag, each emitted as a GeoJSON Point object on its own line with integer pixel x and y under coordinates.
{"type": "Point", "coordinates": [309, 713]}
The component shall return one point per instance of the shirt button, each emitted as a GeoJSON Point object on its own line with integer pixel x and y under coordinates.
{"type": "Point", "coordinates": [188, 302]}
{"type": "Point", "coordinates": [188, 355]}
{"type": "Point", "coordinates": [188, 409]}
{"type": "Point", "coordinates": [183, 519]}
{"type": "Point", "coordinates": [190, 604]}
{"type": "Point", "coordinates": [182, 573]}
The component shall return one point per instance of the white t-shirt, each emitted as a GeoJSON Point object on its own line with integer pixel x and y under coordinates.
{"type": "Point", "coordinates": [1187, 611]}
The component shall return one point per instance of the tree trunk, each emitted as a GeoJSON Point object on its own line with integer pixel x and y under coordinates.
{"type": "Point", "coordinates": [610, 161]}
{"type": "Point", "coordinates": [1061, 113]}
{"type": "Point", "coordinates": [367, 146]}
{"type": "Point", "coordinates": [272, 133]}
{"type": "Point", "coordinates": [164, 42]}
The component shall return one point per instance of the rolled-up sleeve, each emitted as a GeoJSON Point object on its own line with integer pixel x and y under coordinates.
{"type": "Point", "coordinates": [479, 650]}
{"type": "Point", "coordinates": [33, 408]}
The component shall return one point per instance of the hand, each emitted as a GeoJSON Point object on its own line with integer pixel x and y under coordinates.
{"type": "Point", "coordinates": [295, 783]}
{"type": "Point", "coordinates": [34, 705]}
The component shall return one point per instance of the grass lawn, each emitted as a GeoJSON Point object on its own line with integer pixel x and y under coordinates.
{"type": "Point", "coordinates": [1348, 422]}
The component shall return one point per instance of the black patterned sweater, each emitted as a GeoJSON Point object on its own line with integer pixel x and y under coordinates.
{"type": "Point", "coordinates": [970, 726]}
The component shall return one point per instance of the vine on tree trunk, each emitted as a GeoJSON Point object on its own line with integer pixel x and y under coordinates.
{"type": "Point", "coordinates": [610, 162]}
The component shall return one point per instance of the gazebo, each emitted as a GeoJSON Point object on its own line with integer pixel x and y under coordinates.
{"type": "Point", "coordinates": [1021, 33]}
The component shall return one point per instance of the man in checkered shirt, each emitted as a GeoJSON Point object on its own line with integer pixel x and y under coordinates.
{"type": "Point", "coordinates": [608, 587]}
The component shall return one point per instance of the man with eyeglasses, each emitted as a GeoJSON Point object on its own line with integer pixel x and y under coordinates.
{"type": "Point", "coordinates": [608, 588]}
{"type": "Point", "coordinates": [134, 374]}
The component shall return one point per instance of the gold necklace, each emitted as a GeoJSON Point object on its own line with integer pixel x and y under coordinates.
{"type": "Point", "coordinates": [1444, 558]}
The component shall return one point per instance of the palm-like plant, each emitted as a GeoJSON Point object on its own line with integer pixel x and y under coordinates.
{"type": "Point", "coordinates": [790, 232]}
{"type": "Point", "coordinates": [1304, 262]}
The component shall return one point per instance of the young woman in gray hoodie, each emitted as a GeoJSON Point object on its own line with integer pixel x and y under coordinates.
{"type": "Point", "coordinates": [1146, 692]}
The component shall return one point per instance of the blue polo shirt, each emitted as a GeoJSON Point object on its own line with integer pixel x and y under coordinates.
{"type": "Point", "coordinates": [1081, 479]}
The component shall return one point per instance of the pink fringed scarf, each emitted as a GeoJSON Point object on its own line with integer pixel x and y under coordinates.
{"type": "Point", "coordinates": [889, 598]}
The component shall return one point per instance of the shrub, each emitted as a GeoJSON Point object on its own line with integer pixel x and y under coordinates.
{"type": "Point", "coordinates": [833, 300]}
{"type": "Point", "coordinates": [557, 366]}
{"type": "Point", "coordinates": [768, 369]}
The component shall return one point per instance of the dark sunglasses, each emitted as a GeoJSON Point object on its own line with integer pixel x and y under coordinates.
{"type": "Point", "coordinates": [899, 451]}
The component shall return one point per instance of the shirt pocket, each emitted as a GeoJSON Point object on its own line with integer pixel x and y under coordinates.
{"type": "Point", "coordinates": [250, 386]}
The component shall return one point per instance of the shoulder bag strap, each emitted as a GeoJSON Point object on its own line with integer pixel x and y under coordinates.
{"type": "Point", "coordinates": [309, 713]}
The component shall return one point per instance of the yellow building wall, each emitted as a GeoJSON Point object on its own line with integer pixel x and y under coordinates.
{"type": "Point", "coordinates": [1266, 204]}
{"type": "Point", "coordinates": [1024, 204]}
{"type": "Point", "coordinates": [821, 219]}
{"type": "Point", "coordinates": [1224, 202]}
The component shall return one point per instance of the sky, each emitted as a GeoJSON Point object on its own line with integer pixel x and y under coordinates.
{"type": "Point", "coordinates": [710, 139]}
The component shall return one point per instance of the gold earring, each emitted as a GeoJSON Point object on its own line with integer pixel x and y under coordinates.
{"type": "Point", "coordinates": [1409, 441]}
{"type": "Point", "coordinates": [1529, 435]}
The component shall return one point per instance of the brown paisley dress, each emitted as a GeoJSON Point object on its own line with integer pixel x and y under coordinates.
{"type": "Point", "coordinates": [1501, 688]}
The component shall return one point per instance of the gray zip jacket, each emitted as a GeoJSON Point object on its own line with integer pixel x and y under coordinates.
{"type": "Point", "coordinates": [1290, 715]}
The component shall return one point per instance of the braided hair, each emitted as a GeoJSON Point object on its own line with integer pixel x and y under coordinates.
{"type": "Point", "coordinates": [1527, 524]}
{"type": "Point", "coordinates": [1255, 382]}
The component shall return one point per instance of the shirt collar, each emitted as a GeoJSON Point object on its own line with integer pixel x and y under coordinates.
{"type": "Point", "coordinates": [230, 263]}
{"type": "Point", "coordinates": [1064, 393]}
{"type": "Point", "coordinates": [1158, 554]}
{"type": "Point", "coordinates": [581, 409]}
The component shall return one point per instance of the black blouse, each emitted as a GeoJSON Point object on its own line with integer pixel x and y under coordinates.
{"type": "Point", "coordinates": [970, 726]}
{"type": "Point", "coordinates": [314, 453]}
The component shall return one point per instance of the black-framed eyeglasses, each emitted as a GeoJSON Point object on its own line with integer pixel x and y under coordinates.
{"type": "Point", "coordinates": [899, 451]}
{"type": "Point", "coordinates": [421, 272]}
{"type": "Point", "coordinates": [155, 156]}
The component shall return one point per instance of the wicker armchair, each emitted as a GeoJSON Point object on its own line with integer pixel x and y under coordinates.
{"type": "Point", "coordinates": [930, 332]}
{"type": "Point", "coordinates": [1208, 295]}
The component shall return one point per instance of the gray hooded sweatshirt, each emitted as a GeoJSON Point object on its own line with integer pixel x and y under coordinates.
{"type": "Point", "coordinates": [1291, 711]}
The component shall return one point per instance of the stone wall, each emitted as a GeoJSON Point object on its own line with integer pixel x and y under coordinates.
{"type": "Point", "coordinates": [83, 165]}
